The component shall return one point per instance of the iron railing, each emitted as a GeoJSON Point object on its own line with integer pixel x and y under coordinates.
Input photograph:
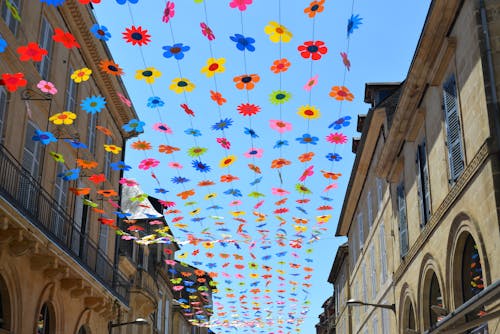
{"type": "Point", "coordinates": [25, 193]}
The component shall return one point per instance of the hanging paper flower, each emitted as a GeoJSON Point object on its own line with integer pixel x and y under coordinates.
{"type": "Point", "coordinates": [224, 143]}
{"type": "Point", "coordinates": [141, 145]}
{"type": "Point", "coordinates": [200, 166]}
{"type": "Point", "coordinates": [181, 85]}
{"type": "Point", "coordinates": [234, 192]}
{"type": "Point", "coordinates": [248, 109]}
{"type": "Point", "coordinates": [207, 32]}
{"type": "Point", "coordinates": [66, 38]}
{"type": "Point", "coordinates": [57, 157]}
{"type": "Point", "coordinates": [70, 174]}
{"type": "Point", "coordinates": [205, 183]}
{"type": "Point", "coordinates": [251, 133]}
{"type": "Point", "coordinates": [280, 162]}
{"type": "Point", "coordinates": [314, 8]}
{"type": "Point", "coordinates": [124, 100]}
{"type": "Point", "coordinates": [345, 60]}
{"type": "Point", "coordinates": [341, 122]}
{"type": "Point", "coordinates": [162, 127]}
{"type": "Point", "coordinates": [301, 188]}
{"type": "Point", "coordinates": [3, 44]}
{"type": "Point", "coordinates": [64, 118]}
{"type": "Point", "coordinates": [227, 161]}
{"type": "Point", "coordinates": [330, 175]}
{"type": "Point", "coordinates": [81, 75]}
{"type": "Point", "coordinates": [120, 165]}
{"type": "Point", "coordinates": [13, 81]}
{"type": "Point", "coordinates": [353, 23]}
{"type": "Point", "coordinates": [86, 164]}
{"type": "Point", "coordinates": [280, 66]}
{"type": "Point", "coordinates": [311, 83]}
{"type": "Point", "coordinates": [86, 2]}
{"type": "Point", "coordinates": [100, 32]}
{"type": "Point", "coordinates": [196, 151]}
{"type": "Point", "coordinates": [280, 126]}
{"type": "Point", "coordinates": [179, 180]}
{"type": "Point", "coordinates": [149, 75]}
{"type": "Point", "coordinates": [336, 138]}
{"type": "Point", "coordinates": [246, 81]}
{"type": "Point", "coordinates": [309, 112]}
{"type": "Point", "coordinates": [75, 143]}
{"type": "Point", "coordinates": [240, 4]}
{"type": "Point", "coordinates": [222, 124]}
{"type": "Point", "coordinates": [177, 51]}
{"type": "Point", "coordinates": [228, 178]}
{"type": "Point", "coordinates": [32, 51]}
{"type": "Point", "coordinates": [280, 143]}
{"type": "Point", "coordinates": [105, 131]}
{"type": "Point", "coordinates": [44, 137]}
{"type": "Point", "coordinates": [110, 67]}
{"type": "Point", "coordinates": [148, 163]}
{"type": "Point", "coordinates": [167, 149]}
{"type": "Point", "coordinates": [254, 153]}
{"type": "Point", "coordinates": [341, 93]}
{"type": "Point", "coordinates": [243, 43]}
{"type": "Point", "coordinates": [333, 157]}
{"type": "Point", "coordinates": [93, 104]}
{"type": "Point", "coordinates": [279, 97]}
{"type": "Point", "coordinates": [134, 125]}
{"type": "Point", "coordinates": [313, 50]}
{"type": "Point", "coordinates": [155, 102]}
{"type": "Point", "coordinates": [47, 87]}
{"type": "Point", "coordinates": [175, 165]}
{"type": "Point", "coordinates": [307, 139]}
{"type": "Point", "coordinates": [136, 36]}
{"type": "Point", "coordinates": [214, 66]}
{"type": "Point", "coordinates": [217, 98]}
{"type": "Point", "coordinates": [97, 178]}
{"type": "Point", "coordinates": [193, 132]}
{"type": "Point", "coordinates": [278, 33]}
{"type": "Point", "coordinates": [305, 157]}
{"type": "Point", "coordinates": [168, 12]}
{"type": "Point", "coordinates": [112, 148]}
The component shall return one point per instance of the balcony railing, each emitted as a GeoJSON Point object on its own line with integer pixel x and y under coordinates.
{"type": "Point", "coordinates": [22, 191]}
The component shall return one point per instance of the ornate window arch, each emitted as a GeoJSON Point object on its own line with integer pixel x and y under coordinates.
{"type": "Point", "coordinates": [84, 330]}
{"type": "Point", "coordinates": [46, 320]}
{"type": "Point", "coordinates": [5, 307]}
{"type": "Point", "coordinates": [408, 315]}
{"type": "Point", "coordinates": [431, 289]}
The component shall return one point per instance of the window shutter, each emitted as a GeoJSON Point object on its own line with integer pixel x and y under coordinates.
{"type": "Point", "coordinates": [369, 207]}
{"type": "Point", "coordinates": [453, 129]}
{"type": "Point", "coordinates": [403, 226]}
{"type": "Point", "coordinates": [46, 33]}
{"type": "Point", "coordinates": [426, 182]}
{"type": "Point", "coordinates": [361, 230]}
{"type": "Point", "coordinates": [421, 207]}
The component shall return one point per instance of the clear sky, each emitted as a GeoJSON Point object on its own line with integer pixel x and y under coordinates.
{"type": "Point", "coordinates": [380, 50]}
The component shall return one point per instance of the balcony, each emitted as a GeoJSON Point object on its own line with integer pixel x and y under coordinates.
{"type": "Point", "coordinates": [25, 194]}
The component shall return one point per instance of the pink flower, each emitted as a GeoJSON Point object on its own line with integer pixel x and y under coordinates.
{"type": "Point", "coordinates": [224, 143]}
{"type": "Point", "coordinates": [240, 4]}
{"type": "Point", "coordinates": [239, 276]}
{"type": "Point", "coordinates": [308, 172]}
{"type": "Point", "coordinates": [258, 205]}
{"type": "Point", "coordinates": [178, 287]}
{"type": "Point", "coordinates": [254, 153]}
{"type": "Point", "coordinates": [47, 87]}
{"type": "Point", "coordinates": [148, 163]}
{"type": "Point", "coordinates": [330, 186]}
{"type": "Point", "coordinates": [156, 222]}
{"type": "Point", "coordinates": [168, 12]}
{"type": "Point", "coordinates": [297, 243]}
{"type": "Point", "coordinates": [124, 100]}
{"type": "Point", "coordinates": [170, 262]}
{"type": "Point", "coordinates": [235, 203]}
{"type": "Point", "coordinates": [175, 165]}
{"type": "Point", "coordinates": [280, 126]}
{"type": "Point", "coordinates": [226, 275]}
{"type": "Point", "coordinates": [336, 138]}
{"type": "Point", "coordinates": [311, 83]}
{"type": "Point", "coordinates": [128, 182]}
{"type": "Point", "coordinates": [162, 127]}
{"type": "Point", "coordinates": [346, 60]}
{"type": "Point", "coordinates": [207, 32]}
{"type": "Point", "coordinates": [279, 191]}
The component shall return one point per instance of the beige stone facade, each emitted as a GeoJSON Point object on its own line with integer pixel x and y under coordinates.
{"type": "Point", "coordinates": [422, 209]}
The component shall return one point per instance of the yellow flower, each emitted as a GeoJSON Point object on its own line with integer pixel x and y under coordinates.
{"type": "Point", "coordinates": [254, 275]}
{"type": "Point", "coordinates": [149, 75]}
{"type": "Point", "coordinates": [180, 85]}
{"type": "Point", "coordinates": [323, 219]}
{"type": "Point", "coordinates": [237, 213]}
{"type": "Point", "coordinates": [195, 212]}
{"type": "Point", "coordinates": [227, 161]}
{"type": "Point", "coordinates": [278, 33]}
{"type": "Point", "coordinates": [112, 148]}
{"type": "Point", "coordinates": [299, 228]}
{"type": "Point", "coordinates": [182, 255]}
{"type": "Point", "coordinates": [66, 117]}
{"type": "Point", "coordinates": [81, 75]}
{"type": "Point", "coordinates": [309, 112]}
{"type": "Point", "coordinates": [208, 244]}
{"type": "Point", "coordinates": [214, 66]}
{"type": "Point", "coordinates": [210, 196]}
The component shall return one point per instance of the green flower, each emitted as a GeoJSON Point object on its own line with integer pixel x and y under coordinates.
{"type": "Point", "coordinates": [301, 188]}
{"type": "Point", "coordinates": [189, 203]}
{"type": "Point", "coordinates": [196, 151]}
{"type": "Point", "coordinates": [255, 194]}
{"type": "Point", "coordinates": [57, 157]}
{"type": "Point", "coordinates": [280, 97]}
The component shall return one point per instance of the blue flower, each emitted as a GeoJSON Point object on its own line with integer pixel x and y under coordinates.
{"type": "Point", "coordinates": [215, 207]}
{"type": "Point", "coordinates": [243, 42]}
{"type": "Point", "coordinates": [3, 44]}
{"type": "Point", "coordinates": [161, 191]}
{"type": "Point", "coordinates": [53, 2]}
{"type": "Point", "coordinates": [100, 32]}
{"type": "Point", "coordinates": [122, 2]}
{"type": "Point", "coordinates": [200, 166]}
{"type": "Point", "coordinates": [256, 181]}
{"type": "Point", "coordinates": [155, 102]}
{"type": "Point", "coordinates": [120, 165]}
{"type": "Point", "coordinates": [93, 104]}
{"type": "Point", "coordinates": [353, 23]}
{"type": "Point", "coordinates": [234, 192]}
{"type": "Point", "coordinates": [177, 51]}
{"type": "Point", "coordinates": [307, 139]}
{"type": "Point", "coordinates": [251, 132]}
{"type": "Point", "coordinates": [280, 143]}
{"type": "Point", "coordinates": [122, 215]}
{"type": "Point", "coordinates": [301, 210]}
{"type": "Point", "coordinates": [328, 199]}
{"type": "Point", "coordinates": [44, 137]}
{"type": "Point", "coordinates": [134, 125]}
{"type": "Point", "coordinates": [75, 143]}
{"type": "Point", "coordinates": [333, 157]}
{"type": "Point", "coordinates": [193, 132]}
{"type": "Point", "coordinates": [341, 122]}
{"type": "Point", "coordinates": [179, 180]}
{"type": "Point", "coordinates": [70, 174]}
{"type": "Point", "coordinates": [222, 124]}
{"type": "Point", "coordinates": [197, 219]}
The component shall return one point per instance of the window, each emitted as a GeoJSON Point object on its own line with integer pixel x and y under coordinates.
{"type": "Point", "coordinates": [386, 329]}
{"type": "Point", "coordinates": [45, 321]}
{"type": "Point", "coordinates": [353, 247]}
{"type": "Point", "coordinates": [91, 131]}
{"type": "Point", "coordinates": [9, 14]}
{"type": "Point", "coordinates": [403, 225]}
{"type": "Point", "coordinates": [81, 217]}
{"type": "Point", "coordinates": [3, 111]}
{"type": "Point", "coordinates": [435, 300]}
{"type": "Point", "coordinates": [103, 250]}
{"type": "Point", "coordinates": [46, 33]}
{"type": "Point", "coordinates": [167, 315]}
{"type": "Point", "coordinates": [380, 194]}
{"type": "Point", "coordinates": [159, 313]}
{"type": "Point", "coordinates": [61, 188]}
{"type": "Point", "coordinates": [361, 230]}
{"type": "Point", "coordinates": [369, 209]}
{"type": "Point", "coordinates": [453, 129]}
{"type": "Point", "coordinates": [373, 271]}
{"type": "Point", "coordinates": [4, 306]}
{"type": "Point", "coordinates": [70, 95]}
{"type": "Point", "coordinates": [84, 330]}
{"type": "Point", "coordinates": [363, 274]}
{"type": "Point", "coordinates": [107, 159]}
{"type": "Point", "coordinates": [32, 156]}
{"type": "Point", "coordinates": [424, 194]}
{"type": "Point", "coordinates": [472, 276]}
{"type": "Point", "coordinates": [383, 253]}
{"type": "Point", "coordinates": [375, 324]}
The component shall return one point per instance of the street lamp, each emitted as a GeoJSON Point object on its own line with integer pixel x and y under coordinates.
{"type": "Point", "coordinates": [354, 302]}
{"type": "Point", "coordinates": [138, 321]}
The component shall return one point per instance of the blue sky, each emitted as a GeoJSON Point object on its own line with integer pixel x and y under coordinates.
{"type": "Point", "coordinates": [380, 50]}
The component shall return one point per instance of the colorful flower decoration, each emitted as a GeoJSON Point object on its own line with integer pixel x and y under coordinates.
{"type": "Point", "coordinates": [314, 8]}
{"type": "Point", "coordinates": [248, 109]}
{"type": "Point", "coordinates": [112, 148]}
{"type": "Point", "coordinates": [277, 32]}
{"type": "Point", "coordinates": [302, 189]}
{"type": "Point", "coordinates": [227, 161]}
{"type": "Point", "coordinates": [279, 97]}
{"type": "Point", "coordinates": [250, 132]}
{"type": "Point", "coordinates": [123, 2]}
{"type": "Point", "coordinates": [243, 43]}
{"type": "Point", "coordinates": [162, 127]}
{"type": "Point", "coordinates": [341, 122]}
{"type": "Point", "coordinates": [311, 83]}
{"type": "Point", "coordinates": [196, 151]}
{"type": "Point", "coordinates": [104, 130]}
{"type": "Point", "coordinates": [81, 75]}
{"type": "Point", "coordinates": [93, 104]}
{"type": "Point", "coordinates": [64, 118]}
{"type": "Point", "coordinates": [148, 163]}
{"type": "Point", "coordinates": [179, 180]}
{"type": "Point", "coordinates": [150, 74]}
{"type": "Point", "coordinates": [200, 166]}
{"type": "Point", "coordinates": [280, 66]}
{"type": "Point", "coordinates": [193, 132]}
{"type": "Point", "coordinates": [207, 32]}
{"type": "Point", "coordinates": [70, 174]}
{"type": "Point", "coordinates": [280, 143]}
{"type": "Point", "coordinates": [353, 23]}
{"type": "Point", "coordinates": [136, 36]}
{"type": "Point", "coordinates": [100, 32]}
{"type": "Point", "coordinates": [307, 139]}
{"type": "Point", "coordinates": [124, 99]}
{"type": "Point", "coordinates": [333, 157]}
{"type": "Point", "coordinates": [53, 2]}
{"type": "Point", "coordinates": [13, 81]}
{"type": "Point", "coordinates": [254, 153]}
{"type": "Point", "coordinates": [120, 165]}
{"type": "Point", "coordinates": [86, 164]}
{"type": "Point", "coordinates": [341, 93]}
{"type": "Point", "coordinates": [155, 102]}
{"type": "Point", "coordinates": [224, 143]}
{"type": "Point", "coordinates": [175, 165]}
{"type": "Point", "coordinates": [97, 178]}
{"type": "Point", "coordinates": [44, 137]}
{"type": "Point", "coordinates": [177, 51]}
{"type": "Point", "coordinates": [47, 87]}
{"type": "Point", "coordinates": [3, 44]}
{"type": "Point", "coordinates": [168, 12]}
{"type": "Point", "coordinates": [66, 38]}
{"type": "Point", "coordinates": [313, 50]}
{"type": "Point", "coordinates": [309, 112]}
{"type": "Point", "coordinates": [181, 85]}
{"type": "Point", "coordinates": [222, 124]}
{"type": "Point", "coordinates": [280, 163]}
{"type": "Point", "coordinates": [134, 125]}
{"type": "Point", "coordinates": [336, 138]}
{"type": "Point", "coordinates": [214, 66]}
{"type": "Point", "coordinates": [187, 110]}
{"type": "Point", "coordinates": [110, 67]}
{"type": "Point", "coordinates": [246, 81]}
{"type": "Point", "coordinates": [57, 157]}
{"type": "Point", "coordinates": [280, 126]}
{"type": "Point", "coordinates": [167, 149]}
{"type": "Point", "coordinates": [217, 98]}
{"type": "Point", "coordinates": [141, 145]}
{"type": "Point", "coordinates": [32, 51]}
{"type": "Point", "coordinates": [75, 143]}
{"type": "Point", "coordinates": [305, 157]}
{"type": "Point", "coordinates": [345, 60]}
{"type": "Point", "coordinates": [240, 4]}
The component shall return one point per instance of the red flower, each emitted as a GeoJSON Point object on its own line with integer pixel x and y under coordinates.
{"type": "Point", "coordinates": [97, 178]}
{"type": "Point", "coordinates": [86, 2]}
{"type": "Point", "coordinates": [187, 110]}
{"type": "Point", "coordinates": [136, 36]}
{"type": "Point", "coordinates": [66, 38]}
{"type": "Point", "coordinates": [31, 51]}
{"type": "Point", "coordinates": [13, 81]}
{"type": "Point", "coordinates": [280, 210]}
{"type": "Point", "coordinates": [313, 49]}
{"type": "Point", "coordinates": [248, 109]}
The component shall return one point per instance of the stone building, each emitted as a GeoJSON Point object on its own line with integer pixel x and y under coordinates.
{"type": "Point", "coordinates": [326, 324]}
{"type": "Point", "coordinates": [421, 213]}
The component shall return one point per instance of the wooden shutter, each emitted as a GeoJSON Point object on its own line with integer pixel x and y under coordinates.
{"type": "Point", "coordinates": [453, 129]}
{"type": "Point", "coordinates": [3, 111]}
{"type": "Point", "coordinates": [425, 181]}
{"type": "Point", "coordinates": [403, 225]}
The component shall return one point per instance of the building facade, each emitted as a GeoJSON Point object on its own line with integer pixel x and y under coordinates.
{"type": "Point", "coordinates": [422, 209]}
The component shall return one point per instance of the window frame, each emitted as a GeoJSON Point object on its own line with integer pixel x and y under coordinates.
{"type": "Point", "coordinates": [423, 184]}
{"type": "Point", "coordinates": [45, 42]}
{"type": "Point", "coordinates": [404, 242]}
{"type": "Point", "coordinates": [8, 18]}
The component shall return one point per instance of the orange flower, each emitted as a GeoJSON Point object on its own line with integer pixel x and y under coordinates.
{"type": "Point", "coordinates": [217, 97]}
{"type": "Point", "coordinates": [167, 149]}
{"type": "Point", "coordinates": [314, 7]}
{"type": "Point", "coordinates": [80, 191]}
{"type": "Point", "coordinates": [97, 210]}
{"type": "Point", "coordinates": [186, 194]}
{"type": "Point", "coordinates": [199, 272]}
{"type": "Point", "coordinates": [256, 169]}
{"type": "Point", "coordinates": [141, 145]}
{"type": "Point", "coordinates": [104, 130]}
{"type": "Point", "coordinates": [246, 81]}
{"type": "Point", "coordinates": [306, 157]}
{"type": "Point", "coordinates": [205, 183]}
{"type": "Point", "coordinates": [330, 175]}
{"type": "Point", "coordinates": [110, 67]}
{"type": "Point", "coordinates": [86, 164]}
{"type": "Point", "coordinates": [279, 163]}
{"type": "Point", "coordinates": [281, 202]}
{"type": "Point", "coordinates": [213, 274]}
{"type": "Point", "coordinates": [280, 65]}
{"type": "Point", "coordinates": [228, 178]}
{"type": "Point", "coordinates": [341, 93]}
{"type": "Point", "coordinates": [107, 192]}
{"type": "Point", "coordinates": [186, 273]}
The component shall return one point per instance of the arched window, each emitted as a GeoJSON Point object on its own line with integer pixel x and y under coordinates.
{"type": "Point", "coordinates": [84, 330]}
{"type": "Point", "coordinates": [436, 308]}
{"type": "Point", "coordinates": [4, 306]}
{"type": "Point", "coordinates": [408, 320]}
{"type": "Point", "coordinates": [472, 275]}
{"type": "Point", "coordinates": [45, 322]}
